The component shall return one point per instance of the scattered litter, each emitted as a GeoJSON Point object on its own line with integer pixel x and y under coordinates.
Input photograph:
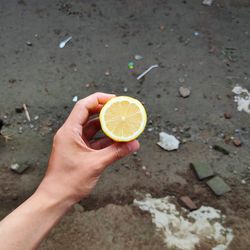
{"type": "Point", "coordinates": [107, 73]}
{"type": "Point", "coordinates": [218, 185]}
{"type": "Point", "coordinates": [36, 117]}
{"type": "Point", "coordinates": [131, 65]}
{"type": "Point", "coordinates": [150, 129]}
{"type": "Point", "coordinates": [19, 168]}
{"type": "Point", "coordinates": [125, 89]}
{"type": "Point", "coordinates": [19, 110]}
{"type": "Point", "coordinates": [237, 142]}
{"type": "Point", "coordinates": [202, 170]}
{"type": "Point", "coordinates": [228, 115]}
{"type": "Point", "coordinates": [242, 98]}
{"type": "Point", "coordinates": [28, 43]}
{"type": "Point", "coordinates": [138, 57]}
{"type": "Point", "coordinates": [146, 71]}
{"type": "Point", "coordinates": [221, 149]}
{"type": "Point", "coordinates": [168, 142]}
{"type": "Point", "coordinates": [26, 112]}
{"type": "Point", "coordinates": [188, 203]}
{"type": "Point", "coordinates": [243, 182]}
{"type": "Point", "coordinates": [184, 92]}
{"type": "Point", "coordinates": [207, 2]}
{"type": "Point", "coordinates": [186, 230]}
{"type": "Point", "coordinates": [64, 42]}
{"type": "Point", "coordinates": [75, 99]}
{"type": "Point", "coordinates": [196, 33]}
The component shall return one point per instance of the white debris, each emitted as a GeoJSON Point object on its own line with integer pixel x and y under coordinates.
{"type": "Point", "coordinates": [168, 142]}
{"type": "Point", "coordinates": [146, 71]}
{"type": "Point", "coordinates": [184, 230]}
{"type": "Point", "coordinates": [138, 57]}
{"type": "Point", "coordinates": [36, 117]}
{"type": "Point", "coordinates": [184, 92]}
{"type": "Point", "coordinates": [64, 42]}
{"type": "Point", "coordinates": [75, 99]}
{"type": "Point", "coordinates": [207, 2]}
{"type": "Point", "coordinates": [125, 89]}
{"type": "Point", "coordinates": [15, 166]}
{"type": "Point", "coordinates": [242, 98]}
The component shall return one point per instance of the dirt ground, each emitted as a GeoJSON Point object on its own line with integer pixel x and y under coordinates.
{"type": "Point", "coordinates": [204, 48]}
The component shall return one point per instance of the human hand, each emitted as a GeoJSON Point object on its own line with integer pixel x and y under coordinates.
{"type": "Point", "coordinates": [76, 161]}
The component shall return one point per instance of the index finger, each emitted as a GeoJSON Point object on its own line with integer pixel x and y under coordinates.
{"type": "Point", "coordinates": [83, 108]}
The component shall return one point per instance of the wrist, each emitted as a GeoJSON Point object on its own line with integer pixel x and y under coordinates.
{"type": "Point", "coordinates": [54, 196]}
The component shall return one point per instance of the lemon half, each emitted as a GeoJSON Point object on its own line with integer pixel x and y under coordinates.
{"type": "Point", "coordinates": [123, 118]}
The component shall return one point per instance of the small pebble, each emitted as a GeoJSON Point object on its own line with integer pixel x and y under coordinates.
{"type": "Point", "coordinates": [237, 142]}
{"type": "Point", "coordinates": [28, 43]}
{"type": "Point", "coordinates": [144, 168]}
{"type": "Point", "coordinates": [243, 182]}
{"type": "Point", "coordinates": [87, 85]}
{"type": "Point", "coordinates": [107, 73]}
{"type": "Point", "coordinates": [150, 129]}
{"type": "Point", "coordinates": [174, 130]}
{"type": "Point", "coordinates": [125, 89]}
{"type": "Point", "coordinates": [147, 173]}
{"type": "Point", "coordinates": [19, 110]}
{"type": "Point", "coordinates": [75, 99]}
{"type": "Point", "coordinates": [31, 126]}
{"type": "Point", "coordinates": [184, 92]}
{"type": "Point", "coordinates": [36, 117]}
{"type": "Point", "coordinates": [228, 115]}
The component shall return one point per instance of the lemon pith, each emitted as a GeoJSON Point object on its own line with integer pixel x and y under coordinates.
{"type": "Point", "coordinates": [123, 118]}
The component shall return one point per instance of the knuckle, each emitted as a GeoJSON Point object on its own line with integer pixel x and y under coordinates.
{"type": "Point", "coordinates": [118, 152]}
{"type": "Point", "coordinates": [80, 103]}
{"type": "Point", "coordinates": [58, 135]}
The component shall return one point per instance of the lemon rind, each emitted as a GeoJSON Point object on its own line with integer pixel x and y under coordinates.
{"type": "Point", "coordinates": [123, 138]}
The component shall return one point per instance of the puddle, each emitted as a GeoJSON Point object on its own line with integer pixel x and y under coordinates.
{"type": "Point", "coordinates": [242, 97]}
{"type": "Point", "coordinates": [185, 230]}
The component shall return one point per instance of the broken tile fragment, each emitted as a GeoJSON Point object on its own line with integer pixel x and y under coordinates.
{"type": "Point", "coordinates": [221, 149]}
{"type": "Point", "coordinates": [202, 170]}
{"type": "Point", "coordinates": [218, 185]}
{"type": "Point", "coordinates": [188, 203]}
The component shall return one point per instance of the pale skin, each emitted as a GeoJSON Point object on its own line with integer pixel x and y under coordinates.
{"type": "Point", "coordinates": [75, 165]}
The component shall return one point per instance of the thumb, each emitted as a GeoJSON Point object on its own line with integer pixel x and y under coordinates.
{"type": "Point", "coordinates": [117, 151]}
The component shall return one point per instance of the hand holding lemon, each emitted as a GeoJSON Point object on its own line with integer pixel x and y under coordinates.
{"type": "Point", "coordinates": [123, 118]}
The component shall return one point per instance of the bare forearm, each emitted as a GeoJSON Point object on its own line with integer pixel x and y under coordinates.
{"type": "Point", "coordinates": [26, 226]}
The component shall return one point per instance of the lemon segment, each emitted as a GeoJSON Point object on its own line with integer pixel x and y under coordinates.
{"type": "Point", "coordinates": [123, 118]}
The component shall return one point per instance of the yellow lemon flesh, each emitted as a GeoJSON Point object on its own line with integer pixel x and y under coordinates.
{"type": "Point", "coordinates": [123, 118]}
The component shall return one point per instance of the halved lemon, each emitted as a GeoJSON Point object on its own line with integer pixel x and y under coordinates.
{"type": "Point", "coordinates": [123, 118]}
